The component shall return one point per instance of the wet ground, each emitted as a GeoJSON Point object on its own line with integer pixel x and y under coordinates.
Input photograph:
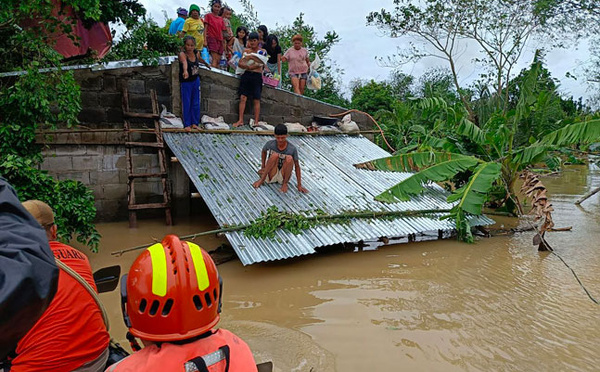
{"type": "Point", "coordinates": [496, 305]}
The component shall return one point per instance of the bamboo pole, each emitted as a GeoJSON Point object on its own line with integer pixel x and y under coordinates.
{"type": "Point", "coordinates": [368, 214]}
{"type": "Point", "coordinates": [175, 130]}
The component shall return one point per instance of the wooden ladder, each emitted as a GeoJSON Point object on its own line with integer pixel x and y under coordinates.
{"type": "Point", "coordinates": [162, 159]}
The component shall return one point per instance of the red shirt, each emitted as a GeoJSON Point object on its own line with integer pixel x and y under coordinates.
{"type": "Point", "coordinates": [214, 26]}
{"type": "Point", "coordinates": [71, 331]}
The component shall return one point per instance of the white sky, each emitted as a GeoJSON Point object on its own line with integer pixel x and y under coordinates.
{"type": "Point", "coordinates": [359, 44]}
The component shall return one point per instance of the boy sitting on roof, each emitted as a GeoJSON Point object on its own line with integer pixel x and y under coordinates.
{"type": "Point", "coordinates": [278, 158]}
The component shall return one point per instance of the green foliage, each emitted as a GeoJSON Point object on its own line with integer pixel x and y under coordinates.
{"type": "Point", "coordinates": [126, 12]}
{"type": "Point", "coordinates": [71, 201]}
{"type": "Point", "coordinates": [500, 30]}
{"type": "Point", "coordinates": [483, 161]}
{"type": "Point", "coordinates": [273, 219]}
{"type": "Point", "coordinates": [400, 127]}
{"type": "Point", "coordinates": [473, 194]}
{"type": "Point", "coordinates": [372, 96]}
{"type": "Point", "coordinates": [247, 17]}
{"type": "Point", "coordinates": [145, 41]}
{"type": "Point", "coordinates": [37, 101]}
{"type": "Point", "coordinates": [438, 167]}
{"type": "Point", "coordinates": [26, 26]}
{"type": "Point", "coordinates": [43, 99]}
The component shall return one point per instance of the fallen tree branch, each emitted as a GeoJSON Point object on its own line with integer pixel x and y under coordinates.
{"type": "Point", "coordinates": [329, 217]}
{"type": "Point", "coordinates": [587, 196]}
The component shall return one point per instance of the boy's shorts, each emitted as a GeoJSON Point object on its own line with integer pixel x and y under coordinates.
{"type": "Point", "coordinates": [251, 84]}
{"type": "Point", "coordinates": [277, 178]}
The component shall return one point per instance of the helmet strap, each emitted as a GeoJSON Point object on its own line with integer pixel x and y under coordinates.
{"type": "Point", "coordinates": [135, 346]}
{"type": "Point", "coordinates": [220, 294]}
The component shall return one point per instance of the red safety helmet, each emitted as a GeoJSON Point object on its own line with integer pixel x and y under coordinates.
{"type": "Point", "coordinates": [172, 292]}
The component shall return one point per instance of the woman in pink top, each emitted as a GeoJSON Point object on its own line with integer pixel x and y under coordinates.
{"type": "Point", "coordinates": [298, 64]}
{"type": "Point", "coordinates": [214, 33]}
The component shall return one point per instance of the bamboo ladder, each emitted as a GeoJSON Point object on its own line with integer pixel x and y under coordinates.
{"type": "Point", "coordinates": [159, 144]}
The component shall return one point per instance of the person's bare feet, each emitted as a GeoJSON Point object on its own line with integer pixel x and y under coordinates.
{"type": "Point", "coordinates": [257, 184]}
{"type": "Point", "coordinates": [195, 127]}
{"type": "Point", "coordinates": [188, 129]}
{"type": "Point", "coordinates": [284, 188]}
{"type": "Point", "coordinates": [238, 124]}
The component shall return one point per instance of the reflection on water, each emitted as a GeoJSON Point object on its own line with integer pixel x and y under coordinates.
{"type": "Point", "coordinates": [497, 305]}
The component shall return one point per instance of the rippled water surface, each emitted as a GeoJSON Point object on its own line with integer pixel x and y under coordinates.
{"type": "Point", "coordinates": [497, 305]}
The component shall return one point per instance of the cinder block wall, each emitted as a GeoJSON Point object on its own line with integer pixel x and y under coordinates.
{"type": "Point", "coordinates": [98, 158]}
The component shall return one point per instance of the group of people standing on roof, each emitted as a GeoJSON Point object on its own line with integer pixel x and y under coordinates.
{"type": "Point", "coordinates": [256, 56]}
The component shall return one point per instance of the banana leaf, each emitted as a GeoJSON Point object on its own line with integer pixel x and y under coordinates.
{"type": "Point", "coordinates": [468, 129]}
{"type": "Point", "coordinates": [414, 161]}
{"type": "Point", "coordinates": [472, 195]}
{"type": "Point", "coordinates": [438, 172]}
{"type": "Point", "coordinates": [586, 132]}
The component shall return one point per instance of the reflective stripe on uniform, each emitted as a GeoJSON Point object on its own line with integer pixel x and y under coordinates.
{"type": "Point", "coordinates": [214, 357]}
{"type": "Point", "coordinates": [158, 257]}
{"type": "Point", "coordinates": [199, 266]}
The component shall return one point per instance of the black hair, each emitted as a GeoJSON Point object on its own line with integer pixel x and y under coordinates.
{"type": "Point", "coordinates": [253, 36]}
{"type": "Point", "coordinates": [264, 30]}
{"type": "Point", "coordinates": [213, 2]}
{"type": "Point", "coordinates": [223, 9]}
{"type": "Point", "coordinates": [280, 130]}
{"type": "Point", "coordinates": [189, 37]}
{"type": "Point", "coordinates": [271, 38]}
{"type": "Point", "coordinates": [269, 42]}
{"type": "Point", "coordinates": [242, 28]}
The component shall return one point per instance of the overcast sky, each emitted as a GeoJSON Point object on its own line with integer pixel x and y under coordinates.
{"type": "Point", "coordinates": [359, 44]}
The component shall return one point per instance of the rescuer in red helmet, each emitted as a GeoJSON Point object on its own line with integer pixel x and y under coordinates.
{"type": "Point", "coordinates": [171, 300]}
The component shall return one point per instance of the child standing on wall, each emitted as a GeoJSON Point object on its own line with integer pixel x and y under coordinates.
{"type": "Point", "coordinates": [215, 26]}
{"type": "Point", "coordinates": [228, 32]}
{"type": "Point", "coordinates": [274, 51]}
{"type": "Point", "coordinates": [252, 63]}
{"type": "Point", "coordinates": [194, 26]}
{"type": "Point", "coordinates": [189, 78]}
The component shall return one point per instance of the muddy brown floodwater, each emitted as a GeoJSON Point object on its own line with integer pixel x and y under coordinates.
{"type": "Point", "coordinates": [496, 305]}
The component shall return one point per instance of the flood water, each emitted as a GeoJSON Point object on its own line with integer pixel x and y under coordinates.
{"type": "Point", "coordinates": [496, 305]}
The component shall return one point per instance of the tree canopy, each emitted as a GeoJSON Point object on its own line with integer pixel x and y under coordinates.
{"type": "Point", "coordinates": [36, 100]}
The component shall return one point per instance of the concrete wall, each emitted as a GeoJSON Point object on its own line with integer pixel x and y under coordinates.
{"type": "Point", "coordinates": [97, 158]}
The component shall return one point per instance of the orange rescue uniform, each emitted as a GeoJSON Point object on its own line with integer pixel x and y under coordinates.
{"type": "Point", "coordinates": [174, 357]}
{"type": "Point", "coordinates": [71, 331]}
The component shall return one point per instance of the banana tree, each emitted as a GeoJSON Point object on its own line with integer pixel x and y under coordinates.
{"type": "Point", "coordinates": [499, 165]}
{"type": "Point", "coordinates": [491, 155]}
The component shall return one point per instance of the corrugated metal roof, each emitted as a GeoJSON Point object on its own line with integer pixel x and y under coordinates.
{"type": "Point", "coordinates": [223, 168]}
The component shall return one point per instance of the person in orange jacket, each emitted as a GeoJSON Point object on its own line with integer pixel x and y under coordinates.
{"type": "Point", "coordinates": [171, 300]}
{"type": "Point", "coordinates": [71, 334]}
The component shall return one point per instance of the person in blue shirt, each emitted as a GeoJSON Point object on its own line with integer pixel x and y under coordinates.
{"type": "Point", "coordinates": [177, 25]}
